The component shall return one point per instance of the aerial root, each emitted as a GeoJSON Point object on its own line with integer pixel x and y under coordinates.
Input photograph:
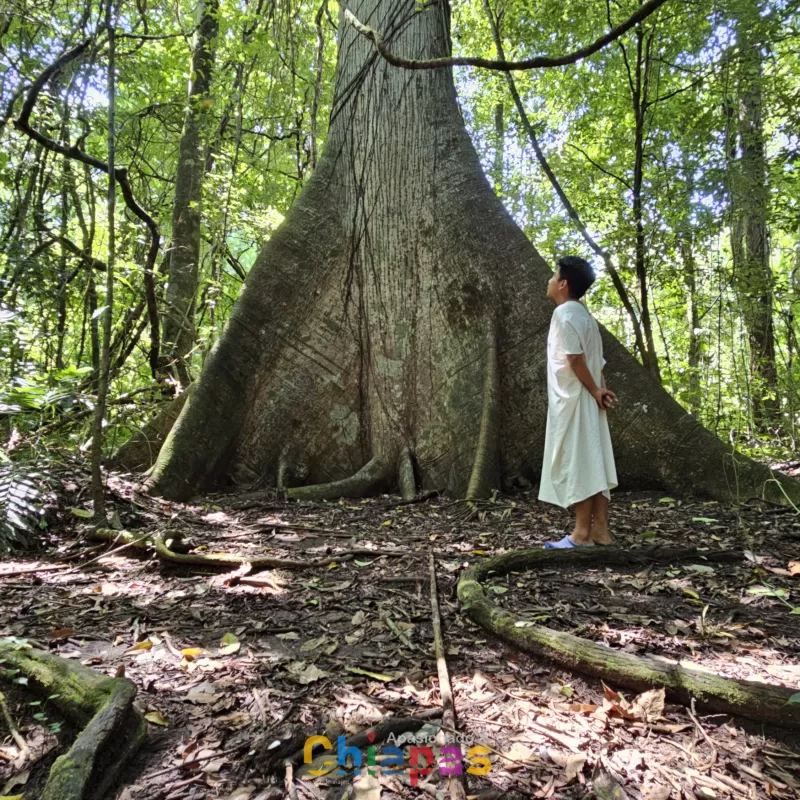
{"type": "Point", "coordinates": [406, 477]}
{"type": "Point", "coordinates": [112, 728]}
{"type": "Point", "coordinates": [757, 701]}
{"type": "Point", "coordinates": [484, 475]}
{"type": "Point", "coordinates": [375, 475]}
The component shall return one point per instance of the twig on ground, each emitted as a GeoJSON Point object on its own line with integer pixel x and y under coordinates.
{"type": "Point", "coordinates": [12, 728]}
{"type": "Point", "coordinates": [193, 761]}
{"type": "Point", "coordinates": [713, 759]}
{"type": "Point", "coordinates": [288, 781]}
{"type": "Point", "coordinates": [455, 782]}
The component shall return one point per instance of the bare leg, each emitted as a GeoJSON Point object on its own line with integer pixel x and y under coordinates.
{"type": "Point", "coordinates": [583, 522]}
{"type": "Point", "coordinates": [599, 527]}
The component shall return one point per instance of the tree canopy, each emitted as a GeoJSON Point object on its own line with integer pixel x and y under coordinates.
{"type": "Point", "coordinates": [649, 139]}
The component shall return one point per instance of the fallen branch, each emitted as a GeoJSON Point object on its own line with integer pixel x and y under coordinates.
{"type": "Point", "coordinates": [189, 763]}
{"type": "Point", "coordinates": [12, 573]}
{"type": "Point", "coordinates": [112, 728]}
{"type": "Point", "coordinates": [158, 543]}
{"type": "Point", "coordinates": [455, 783]}
{"type": "Point", "coordinates": [758, 701]}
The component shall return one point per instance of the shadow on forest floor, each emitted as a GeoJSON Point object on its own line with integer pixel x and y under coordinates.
{"type": "Point", "coordinates": [334, 650]}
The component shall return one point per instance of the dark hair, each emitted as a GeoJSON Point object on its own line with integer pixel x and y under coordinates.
{"type": "Point", "coordinates": [578, 274]}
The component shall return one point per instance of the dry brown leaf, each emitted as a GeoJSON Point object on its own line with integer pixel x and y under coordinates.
{"type": "Point", "coordinates": [580, 708]}
{"type": "Point", "coordinates": [61, 633]}
{"type": "Point", "coordinates": [518, 752]}
{"type": "Point", "coordinates": [656, 791]}
{"type": "Point", "coordinates": [204, 693]}
{"type": "Point", "coordinates": [794, 567]}
{"type": "Point", "coordinates": [649, 706]}
{"type": "Point", "coordinates": [548, 789]}
{"type": "Point", "coordinates": [575, 762]}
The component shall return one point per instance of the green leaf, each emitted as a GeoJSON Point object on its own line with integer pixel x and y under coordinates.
{"type": "Point", "coordinates": [707, 520]}
{"type": "Point", "coordinates": [82, 513]}
{"type": "Point", "coordinates": [648, 535]}
{"type": "Point", "coordinates": [362, 563]}
{"type": "Point", "coordinates": [378, 676]}
{"type": "Point", "coordinates": [667, 500]}
{"type": "Point", "coordinates": [229, 644]}
{"type": "Point", "coordinates": [498, 589]}
{"type": "Point", "coordinates": [794, 699]}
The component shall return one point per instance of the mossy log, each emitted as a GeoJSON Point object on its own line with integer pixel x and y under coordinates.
{"type": "Point", "coordinates": [757, 701]}
{"type": "Point", "coordinates": [112, 729]}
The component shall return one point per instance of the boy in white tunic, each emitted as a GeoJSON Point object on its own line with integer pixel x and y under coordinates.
{"type": "Point", "coordinates": [578, 468]}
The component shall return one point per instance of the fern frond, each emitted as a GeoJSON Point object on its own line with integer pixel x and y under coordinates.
{"type": "Point", "coordinates": [23, 492]}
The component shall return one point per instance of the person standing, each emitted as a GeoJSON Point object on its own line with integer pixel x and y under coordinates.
{"type": "Point", "coordinates": [578, 468]}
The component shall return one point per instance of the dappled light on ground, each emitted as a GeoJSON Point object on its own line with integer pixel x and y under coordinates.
{"type": "Point", "coordinates": [237, 668]}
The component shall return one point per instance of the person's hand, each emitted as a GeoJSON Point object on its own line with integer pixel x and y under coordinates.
{"type": "Point", "coordinates": [605, 399]}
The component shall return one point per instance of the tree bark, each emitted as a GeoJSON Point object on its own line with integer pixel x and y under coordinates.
{"type": "Point", "coordinates": [749, 209]}
{"type": "Point", "coordinates": [184, 257]}
{"type": "Point", "coordinates": [399, 307]}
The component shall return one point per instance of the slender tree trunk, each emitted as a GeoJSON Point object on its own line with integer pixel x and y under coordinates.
{"type": "Point", "coordinates": [179, 326]}
{"type": "Point", "coordinates": [749, 206]}
{"type": "Point", "coordinates": [692, 321]}
{"type": "Point", "coordinates": [498, 168]}
{"type": "Point", "coordinates": [572, 212]}
{"type": "Point", "coordinates": [98, 493]}
{"type": "Point", "coordinates": [686, 248]}
{"type": "Point", "coordinates": [640, 102]}
{"type": "Point", "coordinates": [393, 330]}
{"type": "Point", "coordinates": [319, 67]}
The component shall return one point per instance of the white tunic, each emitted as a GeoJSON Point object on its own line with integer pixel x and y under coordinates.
{"type": "Point", "coordinates": [578, 458]}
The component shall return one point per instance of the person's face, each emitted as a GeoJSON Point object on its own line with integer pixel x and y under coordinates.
{"type": "Point", "coordinates": [555, 286]}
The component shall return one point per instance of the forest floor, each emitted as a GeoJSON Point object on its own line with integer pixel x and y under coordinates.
{"type": "Point", "coordinates": [235, 667]}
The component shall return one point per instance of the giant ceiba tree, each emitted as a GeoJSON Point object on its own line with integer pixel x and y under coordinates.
{"type": "Point", "coordinates": [392, 332]}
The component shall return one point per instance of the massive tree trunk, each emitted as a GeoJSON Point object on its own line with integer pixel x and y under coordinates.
{"type": "Point", "coordinates": [393, 329]}
{"type": "Point", "coordinates": [184, 253]}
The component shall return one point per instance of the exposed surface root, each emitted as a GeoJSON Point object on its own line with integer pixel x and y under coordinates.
{"type": "Point", "coordinates": [373, 476]}
{"type": "Point", "coordinates": [112, 732]}
{"type": "Point", "coordinates": [758, 701]}
{"type": "Point", "coordinates": [161, 544]}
